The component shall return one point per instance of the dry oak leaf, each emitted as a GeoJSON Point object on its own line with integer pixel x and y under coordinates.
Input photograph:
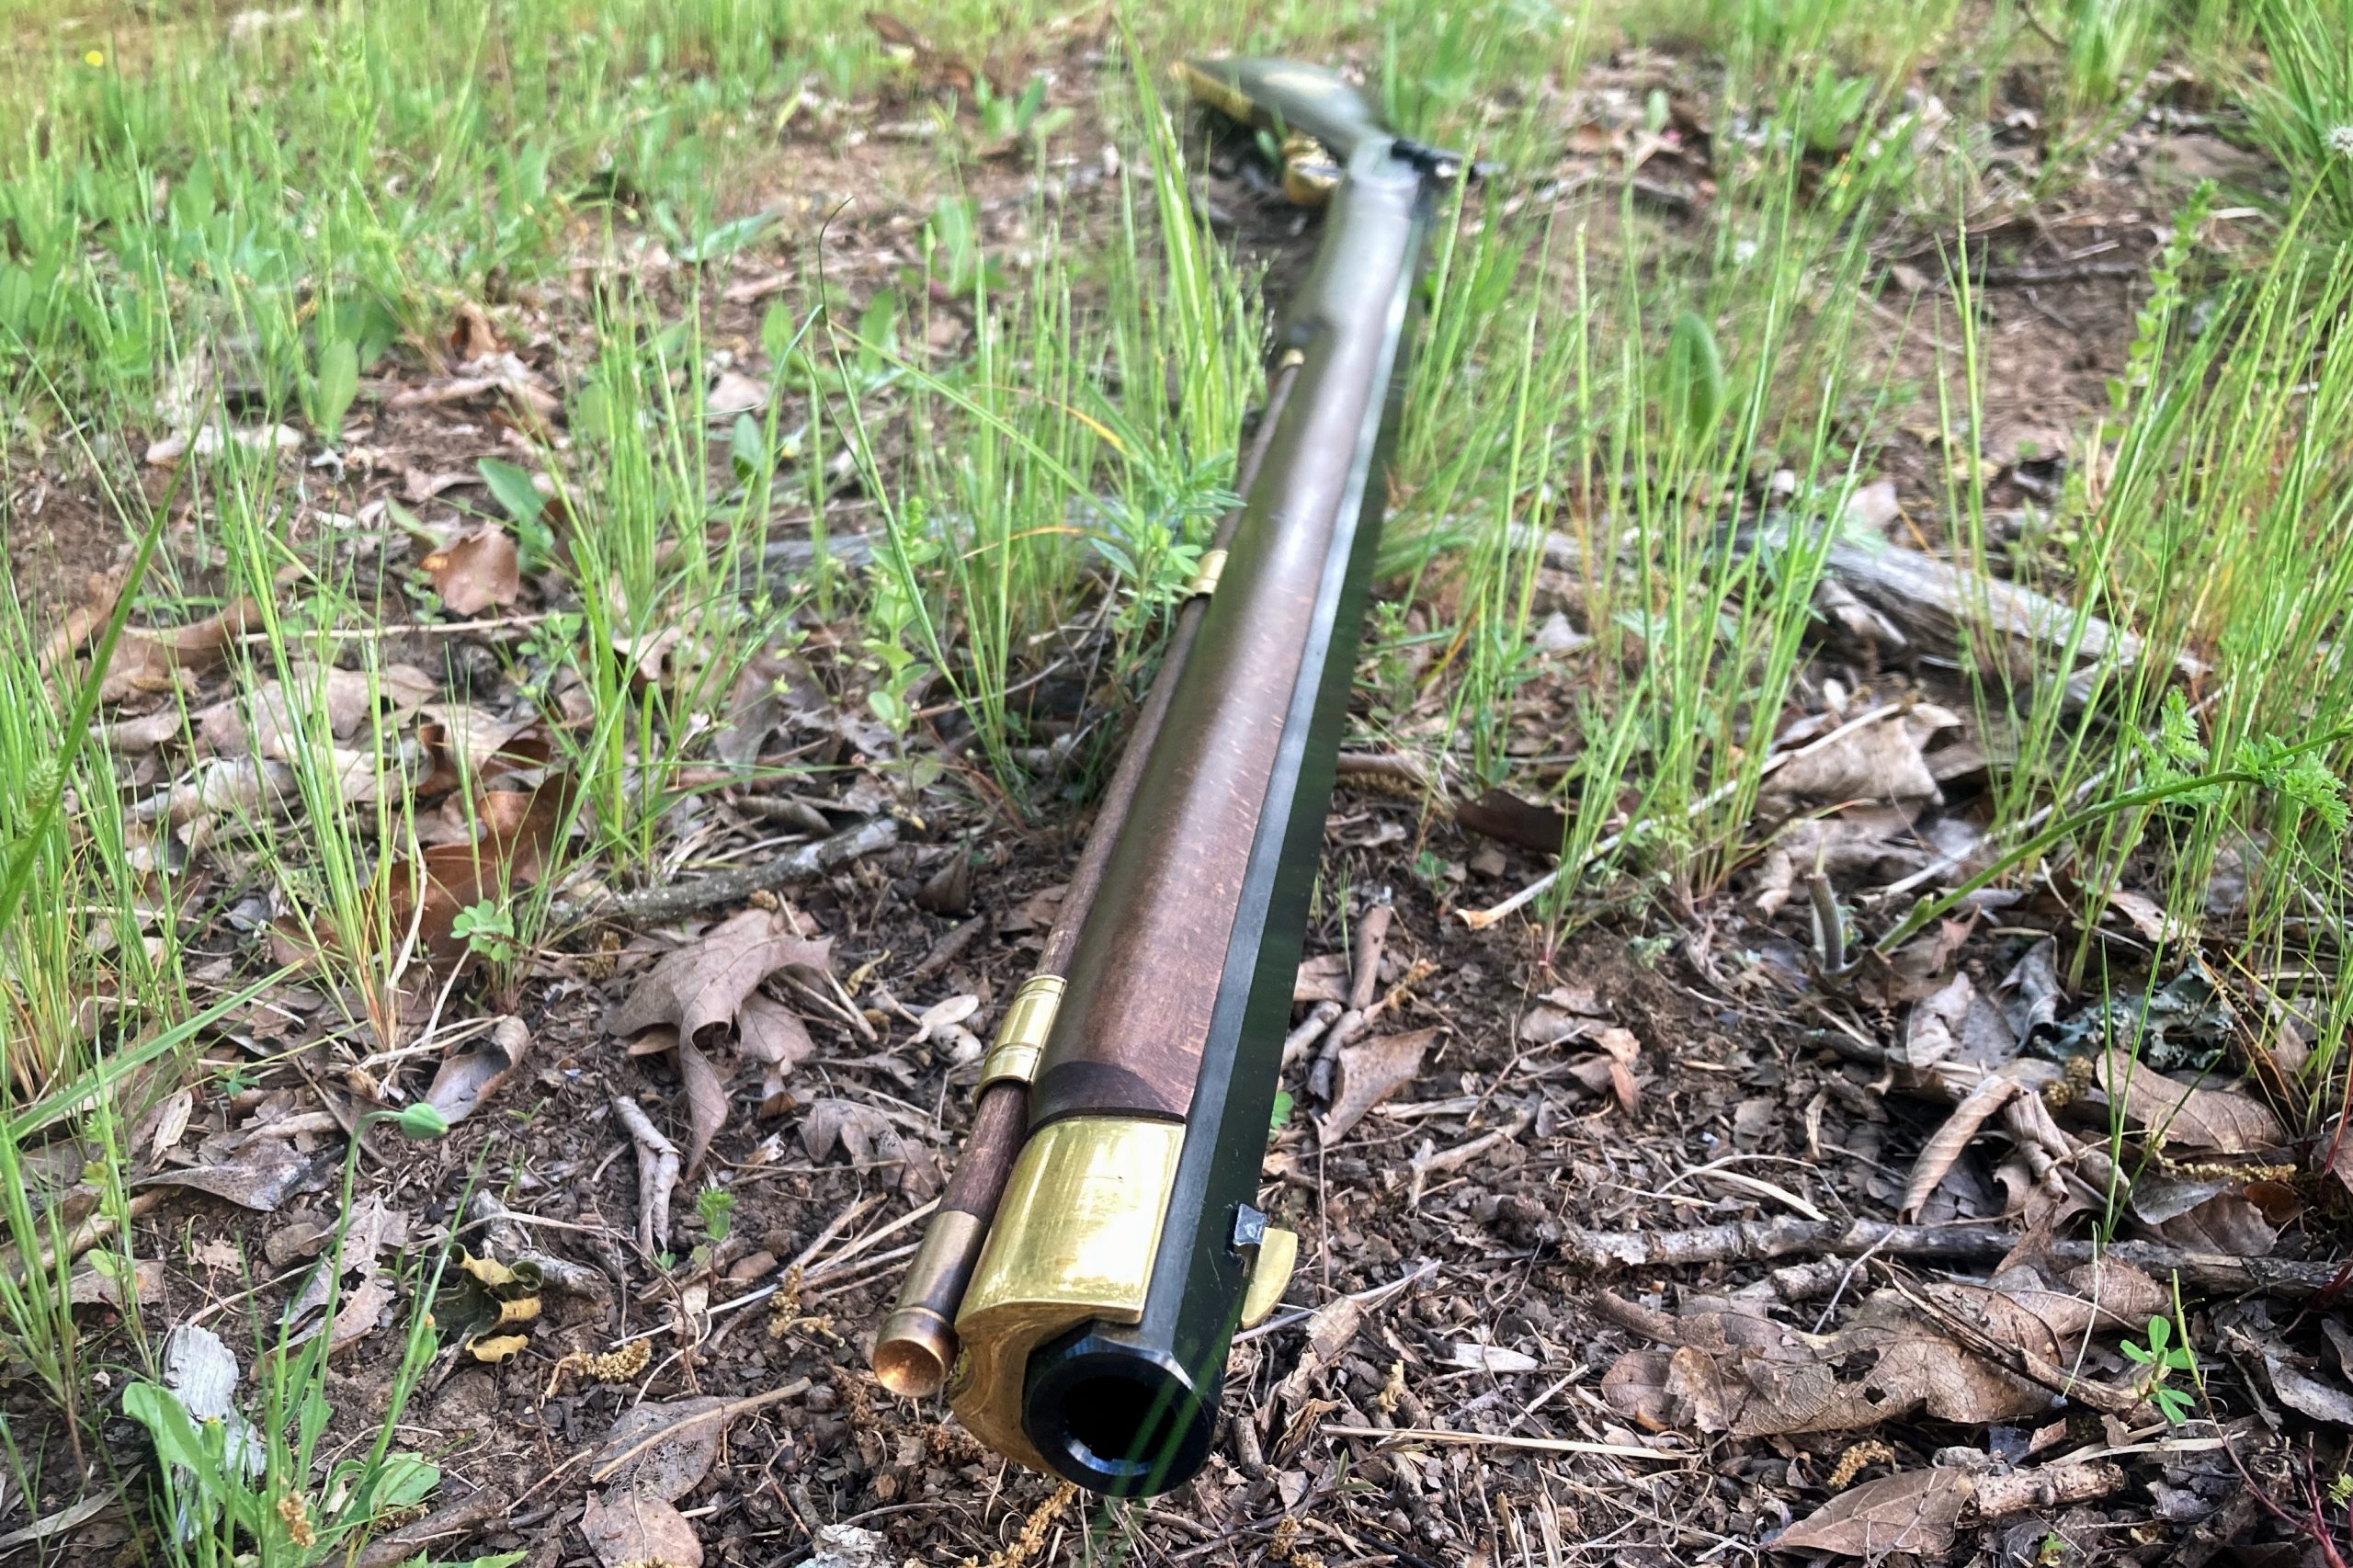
{"type": "Point", "coordinates": [700, 988]}
{"type": "Point", "coordinates": [1738, 1370]}
{"type": "Point", "coordinates": [1918, 1511]}
{"type": "Point", "coordinates": [2188, 1115]}
{"type": "Point", "coordinates": [517, 831]}
{"type": "Point", "coordinates": [1370, 1072]}
{"type": "Point", "coordinates": [1324, 978]}
{"type": "Point", "coordinates": [271, 721]}
{"type": "Point", "coordinates": [478, 1070]}
{"type": "Point", "coordinates": [768, 1032]}
{"type": "Point", "coordinates": [476, 570]}
{"type": "Point", "coordinates": [685, 1435]}
{"type": "Point", "coordinates": [623, 1528]}
{"type": "Point", "coordinates": [706, 1102]}
{"type": "Point", "coordinates": [868, 1138]}
{"type": "Point", "coordinates": [153, 659]}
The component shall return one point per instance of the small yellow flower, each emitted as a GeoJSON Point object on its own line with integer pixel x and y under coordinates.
{"type": "Point", "coordinates": [95, 59]}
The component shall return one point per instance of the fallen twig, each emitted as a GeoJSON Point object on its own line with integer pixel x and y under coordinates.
{"type": "Point", "coordinates": [1505, 1440]}
{"type": "Point", "coordinates": [1427, 1165]}
{"type": "Point", "coordinates": [1759, 1241]}
{"type": "Point", "coordinates": [803, 863]}
{"type": "Point", "coordinates": [657, 1175]}
{"type": "Point", "coordinates": [455, 1520]}
{"type": "Point", "coordinates": [1364, 984]}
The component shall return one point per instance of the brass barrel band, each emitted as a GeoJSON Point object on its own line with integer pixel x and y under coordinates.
{"type": "Point", "coordinates": [1021, 1038]}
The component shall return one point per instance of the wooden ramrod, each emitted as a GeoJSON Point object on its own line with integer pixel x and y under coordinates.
{"type": "Point", "coordinates": [1079, 1285]}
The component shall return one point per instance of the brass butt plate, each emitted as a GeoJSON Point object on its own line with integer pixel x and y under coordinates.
{"type": "Point", "coordinates": [1072, 1242]}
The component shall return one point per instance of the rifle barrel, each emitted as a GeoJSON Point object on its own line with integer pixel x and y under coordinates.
{"type": "Point", "coordinates": [1097, 1266]}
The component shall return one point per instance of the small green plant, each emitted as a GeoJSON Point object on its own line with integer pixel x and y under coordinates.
{"type": "Point", "coordinates": [2160, 1358]}
{"type": "Point", "coordinates": [1015, 119]}
{"type": "Point", "coordinates": [715, 1210]}
{"type": "Point", "coordinates": [486, 928]}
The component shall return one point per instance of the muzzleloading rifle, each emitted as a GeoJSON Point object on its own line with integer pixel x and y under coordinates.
{"type": "Point", "coordinates": [1079, 1288]}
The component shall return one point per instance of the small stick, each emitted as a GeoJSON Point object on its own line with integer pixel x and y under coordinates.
{"type": "Point", "coordinates": [2048, 1486]}
{"type": "Point", "coordinates": [802, 863]}
{"type": "Point", "coordinates": [1364, 984]}
{"type": "Point", "coordinates": [459, 1518]}
{"type": "Point", "coordinates": [948, 948]}
{"type": "Point", "coordinates": [1297, 1043]}
{"type": "Point", "coordinates": [1498, 1441]}
{"type": "Point", "coordinates": [1758, 1241]}
{"type": "Point", "coordinates": [1462, 1154]}
{"type": "Point", "coordinates": [657, 1175]}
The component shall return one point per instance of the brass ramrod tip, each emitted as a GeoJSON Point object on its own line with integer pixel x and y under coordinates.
{"type": "Point", "coordinates": [913, 1352]}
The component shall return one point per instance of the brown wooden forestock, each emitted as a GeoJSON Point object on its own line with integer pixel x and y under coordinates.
{"type": "Point", "coordinates": [1129, 1036]}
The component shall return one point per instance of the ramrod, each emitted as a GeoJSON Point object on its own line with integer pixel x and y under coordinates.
{"type": "Point", "coordinates": [1079, 1288]}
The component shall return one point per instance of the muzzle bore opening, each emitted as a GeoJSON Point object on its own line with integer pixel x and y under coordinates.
{"type": "Point", "coordinates": [1115, 1419]}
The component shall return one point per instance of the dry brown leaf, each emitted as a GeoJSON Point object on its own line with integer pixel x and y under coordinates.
{"type": "Point", "coordinates": [1502, 815]}
{"type": "Point", "coordinates": [1622, 1050]}
{"type": "Point", "coordinates": [472, 335]}
{"type": "Point", "coordinates": [1331, 1328]}
{"type": "Point", "coordinates": [163, 1127]}
{"type": "Point", "coordinates": [501, 372]}
{"type": "Point", "coordinates": [517, 832]}
{"type": "Point", "coordinates": [1035, 913]}
{"type": "Point", "coordinates": [460, 742]}
{"type": "Point", "coordinates": [480, 1070]}
{"type": "Point", "coordinates": [476, 570]}
{"type": "Point", "coordinates": [1738, 1370]}
{"type": "Point", "coordinates": [93, 1286]}
{"type": "Point", "coordinates": [861, 1130]}
{"type": "Point", "coordinates": [154, 659]}
{"type": "Point", "coordinates": [1370, 1072]}
{"type": "Point", "coordinates": [2303, 1392]}
{"type": "Point", "coordinates": [706, 1102]}
{"type": "Point", "coordinates": [734, 393]}
{"type": "Point", "coordinates": [260, 1181]}
{"type": "Point", "coordinates": [2148, 917]}
{"type": "Point", "coordinates": [768, 1032]}
{"type": "Point", "coordinates": [1918, 1511]}
{"type": "Point", "coordinates": [686, 1434]}
{"type": "Point", "coordinates": [702, 987]}
{"type": "Point", "coordinates": [2189, 1116]}
{"type": "Point", "coordinates": [1877, 762]}
{"type": "Point", "coordinates": [373, 1228]}
{"type": "Point", "coordinates": [1945, 1146]}
{"type": "Point", "coordinates": [101, 591]}
{"type": "Point", "coordinates": [1324, 978]}
{"type": "Point", "coordinates": [867, 1136]}
{"type": "Point", "coordinates": [625, 1529]}
{"type": "Point", "coordinates": [2228, 1223]}
{"type": "Point", "coordinates": [271, 722]}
